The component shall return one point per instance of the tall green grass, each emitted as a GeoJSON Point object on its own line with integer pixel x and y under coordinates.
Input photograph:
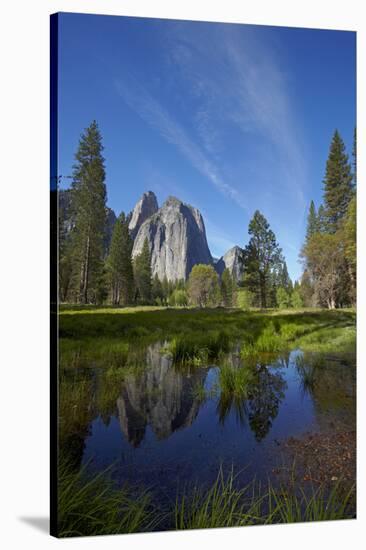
{"type": "Point", "coordinates": [320, 504]}
{"type": "Point", "coordinates": [221, 505]}
{"type": "Point", "coordinates": [224, 504]}
{"type": "Point", "coordinates": [94, 506]}
{"type": "Point", "coordinates": [198, 349]}
{"type": "Point", "coordinates": [235, 381]}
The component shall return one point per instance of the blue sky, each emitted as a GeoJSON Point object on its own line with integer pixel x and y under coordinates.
{"type": "Point", "coordinates": [229, 118]}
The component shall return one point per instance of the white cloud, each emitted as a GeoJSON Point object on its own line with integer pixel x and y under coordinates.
{"type": "Point", "coordinates": [237, 79]}
{"type": "Point", "coordinates": [150, 110]}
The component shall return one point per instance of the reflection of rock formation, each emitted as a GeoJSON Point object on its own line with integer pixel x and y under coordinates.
{"type": "Point", "coordinates": [160, 397]}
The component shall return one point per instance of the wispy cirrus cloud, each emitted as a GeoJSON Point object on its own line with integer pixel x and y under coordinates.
{"type": "Point", "coordinates": [151, 111]}
{"type": "Point", "coordinates": [237, 80]}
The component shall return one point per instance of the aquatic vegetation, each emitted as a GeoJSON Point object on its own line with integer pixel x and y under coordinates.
{"type": "Point", "coordinates": [226, 504]}
{"type": "Point", "coordinates": [198, 349]}
{"type": "Point", "coordinates": [221, 505]}
{"type": "Point", "coordinates": [269, 341]}
{"type": "Point", "coordinates": [235, 381]}
{"type": "Point", "coordinates": [199, 392]}
{"type": "Point", "coordinates": [318, 504]}
{"type": "Point", "coordinates": [307, 373]}
{"type": "Point", "coordinates": [92, 505]}
{"type": "Point", "coordinates": [238, 360]}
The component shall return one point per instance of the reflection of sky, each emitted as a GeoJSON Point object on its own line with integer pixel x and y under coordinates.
{"type": "Point", "coordinates": [196, 451]}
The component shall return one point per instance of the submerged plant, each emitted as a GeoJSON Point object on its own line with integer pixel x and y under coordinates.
{"type": "Point", "coordinates": [307, 372]}
{"type": "Point", "coordinates": [199, 392]}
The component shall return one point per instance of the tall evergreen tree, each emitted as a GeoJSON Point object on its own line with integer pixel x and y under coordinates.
{"type": "Point", "coordinates": [321, 220]}
{"type": "Point", "coordinates": [284, 279]}
{"type": "Point", "coordinates": [89, 197]}
{"type": "Point", "coordinates": [120, 263]}
{"type": "Point", "coordinates": [350, 248]}
{"type": "Point", "coordinates": [259, 257]}
{"type": "Point", "coordinates": [312, 225]}
{"type": "Point", "coordinates": [337, 184]}
{"type": "Point", "coordinates": [157, 290]}
{"type": "Point", "coordinates": [354, 157]}
{"type": "Point", "coordinates": [227, 288]}
{"type": "Point", "coordinates": [142, 272]}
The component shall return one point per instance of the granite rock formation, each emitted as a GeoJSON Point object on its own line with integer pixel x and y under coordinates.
{"type": "Point", "coordinates": [177, 239]}
{"type": "Point", "coordinates": [146, 207]}
{"type": "Point", "coordinates": [231, 261]}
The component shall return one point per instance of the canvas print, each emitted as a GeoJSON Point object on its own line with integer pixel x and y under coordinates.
{"type": "Point", "coordinates": [203, 336]}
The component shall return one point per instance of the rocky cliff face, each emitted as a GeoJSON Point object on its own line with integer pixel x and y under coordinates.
{"type": "Point", "coordinates": [177, 240]}
{"type": "Point", "coordinates": [146, 207]}
{"type": "Point", "coordinates": [231, 261]}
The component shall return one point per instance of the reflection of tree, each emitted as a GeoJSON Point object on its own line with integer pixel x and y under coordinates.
{"type": "Point", "coordinates": [75, 415]}
{"type": "Point", "coordinates": [229, 402]}
{"type": "Point", "coordinates": [259, 407]}
{"type": "Point", "coordinates": [266, 395]}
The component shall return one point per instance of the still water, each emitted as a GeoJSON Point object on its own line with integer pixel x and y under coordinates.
{"type": "Point", "coordinates": [162, 431]}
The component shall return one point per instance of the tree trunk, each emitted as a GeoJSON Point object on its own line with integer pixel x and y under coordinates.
{"type": "Point", "coordinates": [263, 292]}
{"type": "Point", "coordinates": [86, 273]}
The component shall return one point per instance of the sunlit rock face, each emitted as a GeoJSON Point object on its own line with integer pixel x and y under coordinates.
{"type": "Point", "coordinates": [144, 208]}
{"type": "Point", "coordinates": [160, 397]}
{"type": "Point", "coordinates": [231, 261]}
{"type": "Point", "coordinates": [177, 239]}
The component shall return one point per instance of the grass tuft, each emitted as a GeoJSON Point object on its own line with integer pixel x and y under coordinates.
{"type": "Point", "coordinates": [94, 506]}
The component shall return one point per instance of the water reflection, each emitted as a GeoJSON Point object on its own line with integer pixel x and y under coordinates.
{"type": "Point", "coordinates": [161, 397]}
{"type": "Point", "coordinates": [264, 395]}
{"type": "Point", "coordinates": [155, 416]}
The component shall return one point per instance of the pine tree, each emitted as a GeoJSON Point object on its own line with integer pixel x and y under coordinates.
{"type": "Point", "coordinates": [89, 211]}
{"type": "Point", "coordinates": [350, 248]}
{"type": "Point", "coordinates": [165, 287]}
{"type": "Point", "coordinates": [227, 288]}
{"type": "Point", "coordinates": [259, 257]}
{"type": "Point", "coordinates": [282, 298]}
{"type": "Point", "coordinates": [312, 225]}
{"type": "Point", "coordinates": [354, 158]}
{"type": "Point", "coordinates": [337, 184]}
{"type": "Point", "coordinates": [142, 272]}
{"type": "Point", "coordinates": [321, 220]}
{"type": "Point", "coordinates": [120, 263]}
{"type": "Point", "coordinates": [157, 290]}
{"type": "Point", "coordinates": [307, 290]}
{"type": "Point", "coordinates": [284, 279]}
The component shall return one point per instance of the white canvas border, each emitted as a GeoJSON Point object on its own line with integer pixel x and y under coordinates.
{"type": "Point", "coordinates": [24, 218]}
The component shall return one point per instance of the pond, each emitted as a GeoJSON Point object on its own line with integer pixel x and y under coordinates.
{"type": "Point", "coordinates": [170, 427]}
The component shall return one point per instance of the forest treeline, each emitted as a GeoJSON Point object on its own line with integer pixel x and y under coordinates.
{"type": "Point", "coordinates": [329, 253]}
{"type": "Point", "coordinates": [91, 273]}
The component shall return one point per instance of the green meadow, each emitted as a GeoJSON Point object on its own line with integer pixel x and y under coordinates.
{"type": "Point", "coordinates": [110, 344]}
